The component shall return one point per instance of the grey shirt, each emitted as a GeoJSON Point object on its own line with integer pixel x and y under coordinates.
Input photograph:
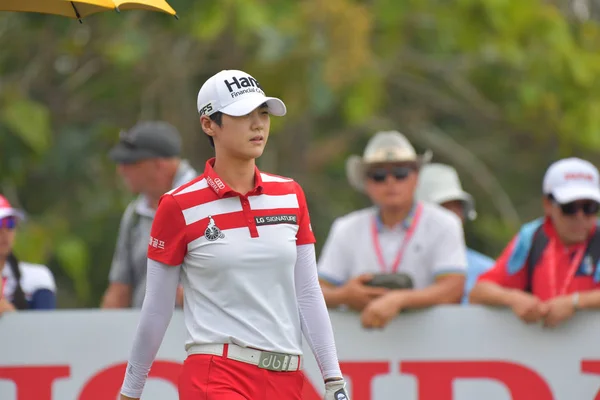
{"type": "Point", "coordinates": [130, 258]}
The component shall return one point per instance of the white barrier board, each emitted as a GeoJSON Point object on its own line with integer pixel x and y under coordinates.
{"type": "Point", "coordinates": [447, 353]}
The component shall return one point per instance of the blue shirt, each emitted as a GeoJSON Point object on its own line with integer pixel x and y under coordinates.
{"type": "Point", "coordinates": [477, 264]}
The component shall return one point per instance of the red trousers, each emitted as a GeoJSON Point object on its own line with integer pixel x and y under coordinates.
{"type": "Point", "coordinates": [208, 377]}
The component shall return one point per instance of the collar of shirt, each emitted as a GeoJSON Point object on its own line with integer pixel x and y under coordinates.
{"type": "Point", "coordinates": [221, 189]}
{"type": "Point", "coordinates": [185, 173]}
{"type": "Point", "coordinates": [405, 224]}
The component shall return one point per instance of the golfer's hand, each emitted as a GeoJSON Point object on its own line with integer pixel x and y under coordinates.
{"type": "Point", "coordinates": [336, 390]}
{"type": "Point", "coordinates": [123, 397]}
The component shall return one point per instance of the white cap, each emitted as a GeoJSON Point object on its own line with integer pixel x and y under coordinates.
{"type": "Point", "coordinates": [572, 179]}
{"type": "Point", "coordinates": [439, 183]}
{"type": "Point", "coordinates": [235, 93]}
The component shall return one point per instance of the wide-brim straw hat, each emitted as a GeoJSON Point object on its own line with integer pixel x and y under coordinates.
{"type": "Point", "coordinates": [383, 147]}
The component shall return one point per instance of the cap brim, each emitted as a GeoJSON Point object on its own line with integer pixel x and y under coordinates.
{"type": "Point", "coordinates": [124, 155]}
{"type": "Point", "coordinates": [569, 194]}
{"type": "Point", "coordinates": [466, 198]}
{"type": "Point", "coordinates": [12, 212]}
{"type": "Point", "coordinates": [452, 196]}
{"type": "Point", "coordinates": [250, 103]}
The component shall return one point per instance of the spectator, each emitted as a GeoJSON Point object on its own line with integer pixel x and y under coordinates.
{"type": "Point", "coordinates": [396, 237]}
{"type": "Point", "coordinates": [148, 158]}
{"type": "Point", "coordinates": [550, 268]}
{"type": "Point", "coordinates": [24, 286]}
{"type": "Point", "coordinates": [440, 184]}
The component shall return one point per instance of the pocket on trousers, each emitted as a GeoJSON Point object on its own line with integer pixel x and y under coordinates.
{"type": "Point", "coordinates": [194, 377]}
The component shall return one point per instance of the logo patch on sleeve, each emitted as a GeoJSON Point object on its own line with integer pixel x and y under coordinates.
{"type": "Point", "coordinates": [277, 219]}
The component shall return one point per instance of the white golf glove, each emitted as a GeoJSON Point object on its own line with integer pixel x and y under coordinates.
{"type": "Point", "coordinates": [336, 390]}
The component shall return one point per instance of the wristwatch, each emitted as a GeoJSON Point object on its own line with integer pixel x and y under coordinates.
{"type": "Point", "coordinates": [575, 299]}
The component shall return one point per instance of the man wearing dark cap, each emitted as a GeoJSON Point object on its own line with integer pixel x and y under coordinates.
{"type": "Point", "coordinates": [148, 159]}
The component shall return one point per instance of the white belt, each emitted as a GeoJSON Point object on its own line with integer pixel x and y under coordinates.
{"type": "Point", "coordinates": [263, 359]}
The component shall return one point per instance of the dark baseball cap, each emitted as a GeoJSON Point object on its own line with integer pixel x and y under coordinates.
{"type": "Point", "coordinates": [147, 139]}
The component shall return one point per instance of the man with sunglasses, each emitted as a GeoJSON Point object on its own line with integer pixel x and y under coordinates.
{"type": "Point", "coordinates": [399, 239]}
{"type": "Point", "coordinates": [550, 268]}
{"type": "Point", "coordinates": [148, 159]}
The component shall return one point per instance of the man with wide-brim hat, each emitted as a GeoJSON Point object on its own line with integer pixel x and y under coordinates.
{"type": "Point", "coordinates": [440, 184]}
{"type": "Point", "coordinates": [399, 253]}
{"type": "Point", "coordinates": [384, 148]}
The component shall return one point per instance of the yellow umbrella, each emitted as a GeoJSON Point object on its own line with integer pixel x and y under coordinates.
{"type": "Point", "coordinates": [82, 8]}
{"type": "Point", "coordinates": [151, 5]}
{"type": "Point", "coordinates": [65, 8]}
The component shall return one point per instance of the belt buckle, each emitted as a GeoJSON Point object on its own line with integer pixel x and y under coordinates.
{"type": "Point", "coordinates": [274, 361]}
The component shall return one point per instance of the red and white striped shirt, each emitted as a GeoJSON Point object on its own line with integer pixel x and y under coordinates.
{"type": "Point", "coordinates": [237, 254]}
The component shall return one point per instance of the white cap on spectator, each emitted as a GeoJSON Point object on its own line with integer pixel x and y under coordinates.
{"type": "Point", "coordinates": [6, 210]}
{"type": "Point", "coordinates": [439, 183]}
{"type": "Point", "coordinates": [572, 179]}
{"type": "Point", "coordinates": [235, 93]}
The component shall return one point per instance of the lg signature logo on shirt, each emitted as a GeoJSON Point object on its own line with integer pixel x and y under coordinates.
{"type": "Point", "coordinates": [277, 219]}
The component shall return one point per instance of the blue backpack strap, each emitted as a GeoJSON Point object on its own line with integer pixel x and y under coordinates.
{"type": "Point", "coordinates": [523, 245]}
{"type": "Point", "coordinates": [594, 252]}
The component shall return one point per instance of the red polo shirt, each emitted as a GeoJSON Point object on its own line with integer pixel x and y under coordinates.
{"type": "Point", "coordinates": [560, 270]}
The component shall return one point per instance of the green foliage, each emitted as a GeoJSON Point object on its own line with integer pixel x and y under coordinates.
{"type": "Point", "coordinates": [30, 121]}
{"type": "Point", "coordinates": [72, 254]}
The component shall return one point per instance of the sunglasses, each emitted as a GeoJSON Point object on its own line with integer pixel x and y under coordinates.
{"type": "Point", "coordinates": [588, 207]}
{"type": "Point", "coordinates": [8, 223]}
{"type": "Point", "coordinates": [380, 174]}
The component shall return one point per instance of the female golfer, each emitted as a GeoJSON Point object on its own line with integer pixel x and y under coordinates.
{"type": "Point", "coordinates": [242, 241]}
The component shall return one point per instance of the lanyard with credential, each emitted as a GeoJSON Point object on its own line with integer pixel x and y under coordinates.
{"type": "Point", "coordinates": [407, 237]}
{"type": "Point", "coordinates": [573, 267]}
